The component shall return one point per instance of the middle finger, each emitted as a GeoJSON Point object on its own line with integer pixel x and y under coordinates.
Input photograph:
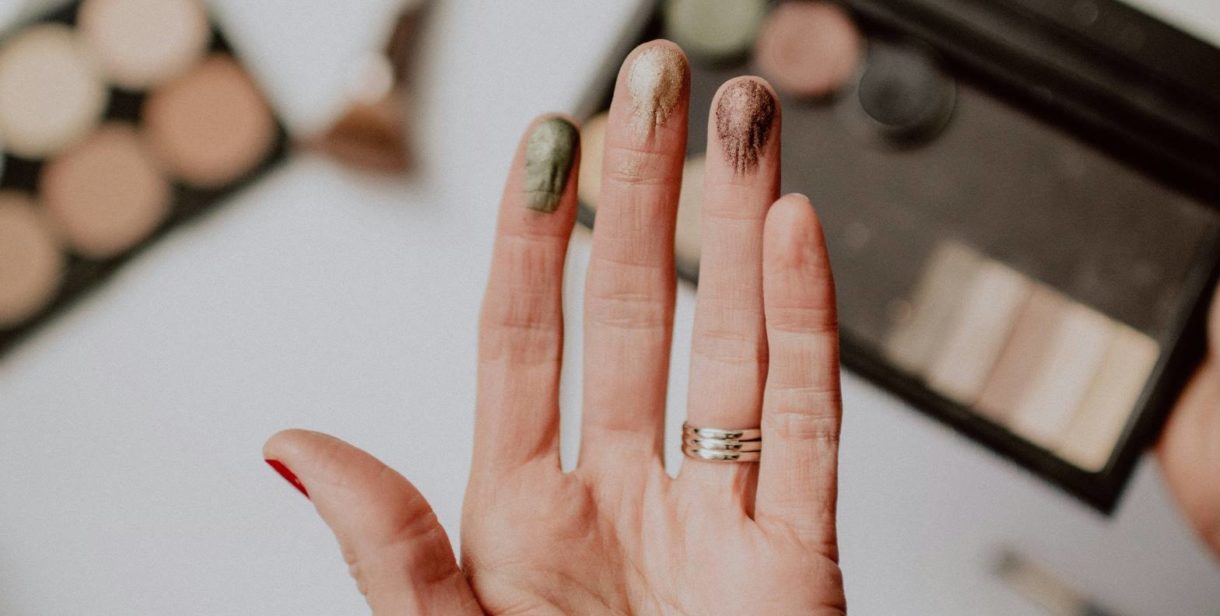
{"type": "Point", "coordinates": [629, 296]}
{"type": "Point", "coordinates": [729, 349]}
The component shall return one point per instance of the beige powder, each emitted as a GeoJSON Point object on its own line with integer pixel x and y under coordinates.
{"type": "Point", "coordinates": [935, 302]}
{"type": "Point", "coordinates": [1095, 428]}
{"type": "Point", "coordinates": [31, 264]}
{"type": "Point", "coordinates": [655, 84]}
{"type": "Point", "coordinates": [1076, 354]}
{"type": "Point", "coordinates": [210, 126]}
{"type": "Point", "coordinates": [139, 43]}
{"type": "Point", "coordinates": [1024, 353]}
{"type": "Point", "coordinates": [50, 92]}
{"type": "Point", "coordinates": [980, 329]}
{"type": "Point", "coordinates": [106, 194]}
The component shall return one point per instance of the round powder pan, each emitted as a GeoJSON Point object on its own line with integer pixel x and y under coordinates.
{"type": "Point", "coordinates": [716, 31]}
{"type": "Point", "coordinates": [140, 43]}
{"type": "Point", "coordinates": [51, 93]}
{"type": "Point", "coordinates": [904, 94]}
{"type": "Point", "coordinates": [808, 49]}
{"type": "Point", "coordinates": [210, 126]}
{"type": "Point", "coordinates": [107, 193]}
{"type": "Point", "coordinates": [31, 263]}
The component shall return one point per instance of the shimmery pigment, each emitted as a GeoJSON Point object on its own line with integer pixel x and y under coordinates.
{"type": "Point", "coordinates": [655, 83]}
{"type": "Point", "coordinates": [548, 160]}
{"type": "Point", "coordinates": [743, 122]}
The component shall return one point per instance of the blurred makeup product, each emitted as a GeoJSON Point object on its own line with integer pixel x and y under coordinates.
{"type": "Point", "coordinates": [31, 263]}
{"type": "Point", "coordinates": [808, 49]}
{"type": "Point", "coordinates": [593, 142]}
{"type": "Point", "coordinates": [1054, 596]}
{"type": "Point", "coordinates": [50, 91]}
{"type": "Point", "coordinates": [904, 93]}
{"type": "Point", "coordinates": [714, 30]}
{"type": "Point", "coordinates": [371, 132]}
{"type": "Point", "coordinates": [140, 43]}
{"type": "Point", "coordinates": [120, 119]}
{"type": "Point", "coordinates": [690, 211]}
{"type": "Point", "coordinates": [1019, 197]}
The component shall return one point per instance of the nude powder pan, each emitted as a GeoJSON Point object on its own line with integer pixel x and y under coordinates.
{"type": "Point", "coordinates": [31, 263]}
{"type": "Point", "coordinates": [808, 49]}
{"type": "Point", "coordinates": [50, 91]}
{"type": "Point", "coordinates": [211, 125]}
{"type": "Point", "coordinates": [107, 193]}
{"type": "Point", "coordinates": [120, 120]}
{"type": "Point", "coordinates": [139, 43]}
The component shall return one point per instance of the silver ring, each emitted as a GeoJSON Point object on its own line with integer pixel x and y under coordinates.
{"type": "Point", "coordinates": [751, 434]}
{"type": "Point", "coordinates": [717, 444]}
{"type": "Point", "coordinates": [720, 456]}
{"type": "Point", "coordinates": [720, 445]}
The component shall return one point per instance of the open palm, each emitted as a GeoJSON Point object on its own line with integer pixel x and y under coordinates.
{"type": "Point", "coordinates": [617, 534]}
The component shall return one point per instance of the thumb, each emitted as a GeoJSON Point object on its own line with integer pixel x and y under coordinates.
{"type": "Point", "coordinates": [393, 544]}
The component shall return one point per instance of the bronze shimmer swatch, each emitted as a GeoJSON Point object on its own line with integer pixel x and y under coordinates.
{"type": "Point", "coordinates": [743, 122]}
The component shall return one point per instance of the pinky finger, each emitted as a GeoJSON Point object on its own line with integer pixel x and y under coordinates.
{"type": "Point", "coordinates": [797, 484]}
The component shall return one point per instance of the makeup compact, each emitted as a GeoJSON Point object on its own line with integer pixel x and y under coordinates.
{"type": "Point", "coordinates": [1019, 197]}
{"type": "Point", "coordinates": [119, 119]}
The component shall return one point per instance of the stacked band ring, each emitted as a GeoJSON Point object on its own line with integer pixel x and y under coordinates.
{"type": "Point", "coordinates": [718, 445]}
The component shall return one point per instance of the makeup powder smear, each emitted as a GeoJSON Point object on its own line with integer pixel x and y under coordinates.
{"type": "Point", "coordinates": [655, 82]}
{"type": "Point", "coordinates": [744, 115]}
{"type": "Point", "coordinates": [548, 160]}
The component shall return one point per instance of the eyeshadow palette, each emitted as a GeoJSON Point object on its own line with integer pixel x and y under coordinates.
{"type": "Point", "coordinates": [1020, 200]}
{"type": "Point", "coordinates": [119, 119]}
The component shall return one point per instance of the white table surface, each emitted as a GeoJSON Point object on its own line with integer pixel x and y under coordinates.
{"type": "Point", "coordinates": [131, 480]}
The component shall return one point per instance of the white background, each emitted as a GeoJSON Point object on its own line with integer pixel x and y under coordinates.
{"type": "Point", "coordinates": [131, 480]}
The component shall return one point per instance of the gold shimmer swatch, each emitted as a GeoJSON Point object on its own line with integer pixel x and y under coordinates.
{"type": "Point", "coordinates": [655, 83]}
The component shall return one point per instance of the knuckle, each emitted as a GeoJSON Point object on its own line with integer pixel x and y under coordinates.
{"type": "Point", "coordinates": [522, 315]}
{"type": "Point", "coordinates": [626, 310]}
{"type": "Point", "coordinates": [728, 211]}
{"type": "Point", "coordinates": [525, 334]}
{"type": "Point", "coordinates": [816, 419]}
{"type": "Point", "coordinates": [627, 295]}
{"type": "Point", "coordinates": [810, 321]}
{"type": "Point", "coordinates": [729, 346]}
{"type": "Point", "coordinates": [637, 166]}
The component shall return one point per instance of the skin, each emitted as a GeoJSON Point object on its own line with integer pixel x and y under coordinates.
{"type": "Point", "coordinates": [1189, 449]}
{"type": "Point", "coordinates": [617, 535]}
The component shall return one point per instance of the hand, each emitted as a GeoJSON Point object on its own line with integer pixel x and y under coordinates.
{"type": "Point", "coordinates": [618, 535]}
{"type": "Point", "coordinates": [1189, 449]}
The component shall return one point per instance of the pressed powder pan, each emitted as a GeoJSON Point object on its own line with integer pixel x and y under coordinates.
{"type": "Point", "coordinates": [121, 119]}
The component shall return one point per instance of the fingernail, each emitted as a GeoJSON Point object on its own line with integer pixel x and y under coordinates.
{"type": "Point", "coordinates": [655, 82]}
{"type": "Point", "coordinates": [288, 476]}
{"type": "Point", "coordinates": [744, 115]}
{"type": "Point", "coordinates": [548, 161]}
